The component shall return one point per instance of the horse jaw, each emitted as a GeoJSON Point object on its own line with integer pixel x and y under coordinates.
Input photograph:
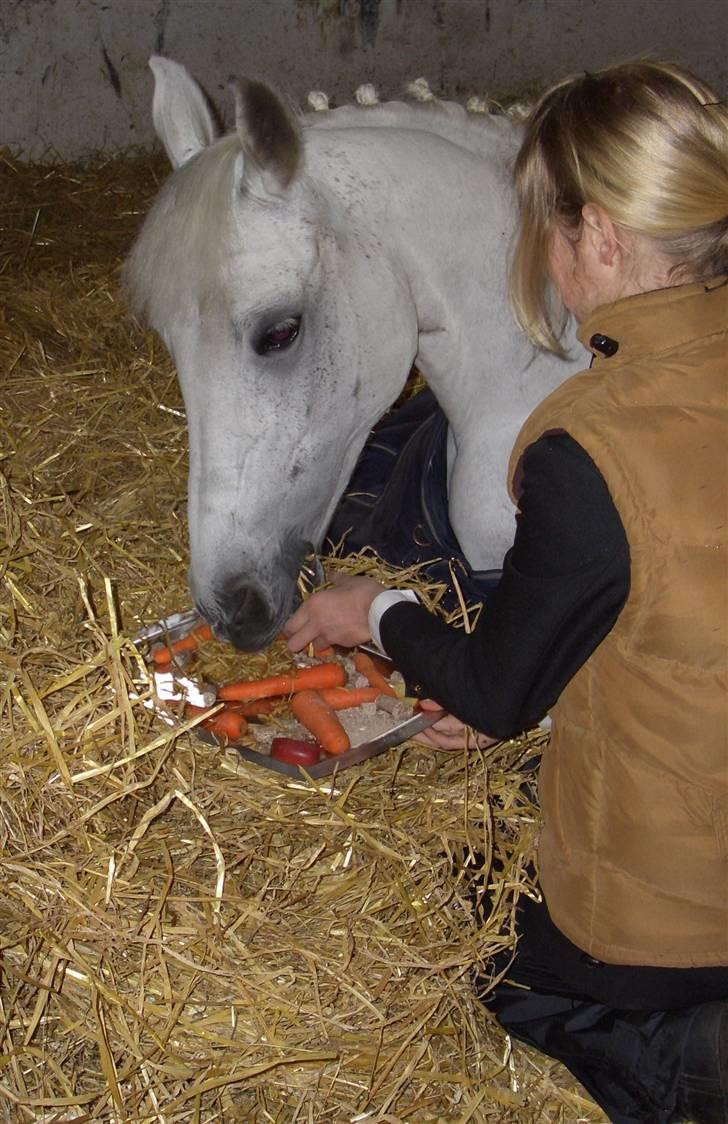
{"type": "Point", "coordinates": [246, 556]}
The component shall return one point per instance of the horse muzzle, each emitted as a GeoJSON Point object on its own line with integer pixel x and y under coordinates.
{"type": "Point", "coordinates": [248, 608]}
{"type": "Point", "coordinates": [244, 615]}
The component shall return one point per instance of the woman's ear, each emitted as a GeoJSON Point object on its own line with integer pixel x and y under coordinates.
{"type": "Point", "coordinates": [601, 232]}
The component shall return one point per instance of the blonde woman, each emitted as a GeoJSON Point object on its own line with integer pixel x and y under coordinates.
{"type": "Point", "coordinates": [612, 612]}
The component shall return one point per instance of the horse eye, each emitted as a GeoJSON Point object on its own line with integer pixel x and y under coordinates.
{"type": "Point", "coordinates": [279, 336]}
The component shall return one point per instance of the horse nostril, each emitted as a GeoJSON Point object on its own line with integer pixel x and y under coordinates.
{"type": "Point", "coordinates": [245, 617]}
{"type": "Point", "coordinates": [250, 608]}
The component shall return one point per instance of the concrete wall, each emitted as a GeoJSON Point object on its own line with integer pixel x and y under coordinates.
{"type": "Point", "coordinates": [75, 80]}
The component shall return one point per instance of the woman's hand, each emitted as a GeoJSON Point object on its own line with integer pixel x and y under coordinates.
{"type": "Point", "coordinates": [339, 615]}
{"type": "Point", "coordinates": [451, 733]}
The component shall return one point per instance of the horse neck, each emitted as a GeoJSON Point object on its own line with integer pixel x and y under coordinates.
{"type": "Point", "coordinates": [442, 212]}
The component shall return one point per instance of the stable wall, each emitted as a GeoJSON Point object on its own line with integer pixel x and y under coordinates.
{"type": "Point", "coordinates": [75, 79]}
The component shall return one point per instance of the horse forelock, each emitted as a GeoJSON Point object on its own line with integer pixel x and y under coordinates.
{"type": "Point", "coordinates": [179, 255]}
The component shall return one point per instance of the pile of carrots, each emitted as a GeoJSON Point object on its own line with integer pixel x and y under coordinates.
{"type": "Point", "coordinates": [316, 693]}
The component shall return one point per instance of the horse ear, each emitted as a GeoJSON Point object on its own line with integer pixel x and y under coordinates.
{"type": "Point", "coordinates": [182, 117]}
{"type": "Point", "coordinates": [270, 136]}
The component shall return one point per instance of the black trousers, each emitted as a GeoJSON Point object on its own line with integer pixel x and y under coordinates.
{"type": "Point", "coordinates": [608, 1051]}
{"type": "Point", "coordinates": [624, 1032]}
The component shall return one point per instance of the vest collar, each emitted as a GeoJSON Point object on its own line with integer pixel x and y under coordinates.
{"type": "Point", "coordinates": [651, 323]}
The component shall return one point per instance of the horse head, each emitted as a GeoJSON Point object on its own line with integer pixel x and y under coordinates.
{"type": "Point", "coordinates": [291, 332]}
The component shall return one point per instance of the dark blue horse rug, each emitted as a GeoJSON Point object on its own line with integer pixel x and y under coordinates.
{"type": "Point", "coordinates": [396, 502]}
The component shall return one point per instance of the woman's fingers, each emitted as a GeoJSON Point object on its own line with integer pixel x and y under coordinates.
{"type": "Point", "coordinates": [450, 733]}
{"type": "Point", "coordinates": [339, 615]}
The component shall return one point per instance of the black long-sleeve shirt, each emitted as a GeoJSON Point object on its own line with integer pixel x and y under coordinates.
{"type": "Point", "coordinates": [564, 583]}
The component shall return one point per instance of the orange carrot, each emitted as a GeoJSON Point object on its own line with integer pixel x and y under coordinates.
{"type": "Point", "coordinates": [225, 724]}
{"type": "Point", "coordinates": [320, 675]}
{"type": "Point", "coordinates": [253, 709]}
{"type": "Point", "coordinates": [186, 644]}
{"type": "Point", "coordinates": [319, 719]}
{"type": "Point", "coordinates": [341, 698]}
{"type": "Point", "coordinates": [364, 664]}
{"type": "Point", "coordinates": [325, 653]}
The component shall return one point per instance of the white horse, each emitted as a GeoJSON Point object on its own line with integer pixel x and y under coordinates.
{"type": "Point", "coordinates": [296, 270]}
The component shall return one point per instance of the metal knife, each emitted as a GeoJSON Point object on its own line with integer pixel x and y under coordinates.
{"type": "Point", "coordinates": [169, 629]}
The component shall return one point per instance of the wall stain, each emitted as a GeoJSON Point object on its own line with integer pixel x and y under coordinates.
{"type": "Point", "coordinates": [369, 21]}
{"type": "Point", "coordinates": [160, 22]}
{"type": "Point", "coordinates": [365, 14]}
{"type": "Point", "coordinates": [112, 71]}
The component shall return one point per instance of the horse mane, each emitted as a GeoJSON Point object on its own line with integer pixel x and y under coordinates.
{"type": "Point", "coordinates": [476, 125]}
{"type": "Point", "coordinates": [422, 99]}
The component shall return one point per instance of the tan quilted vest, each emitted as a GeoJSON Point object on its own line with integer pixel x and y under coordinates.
{"type": "Point", "coordinates": [633, 857]}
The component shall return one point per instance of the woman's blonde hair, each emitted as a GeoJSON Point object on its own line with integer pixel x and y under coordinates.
{"type": "Point", "coordinates": [646, 141]}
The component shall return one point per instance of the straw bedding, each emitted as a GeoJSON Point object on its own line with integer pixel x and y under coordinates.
{"type": "Point", "coordinates": [185, 937]}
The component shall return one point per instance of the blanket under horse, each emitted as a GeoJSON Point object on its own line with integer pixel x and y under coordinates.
{"type": "Point", "coordinates": [296, 270]}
